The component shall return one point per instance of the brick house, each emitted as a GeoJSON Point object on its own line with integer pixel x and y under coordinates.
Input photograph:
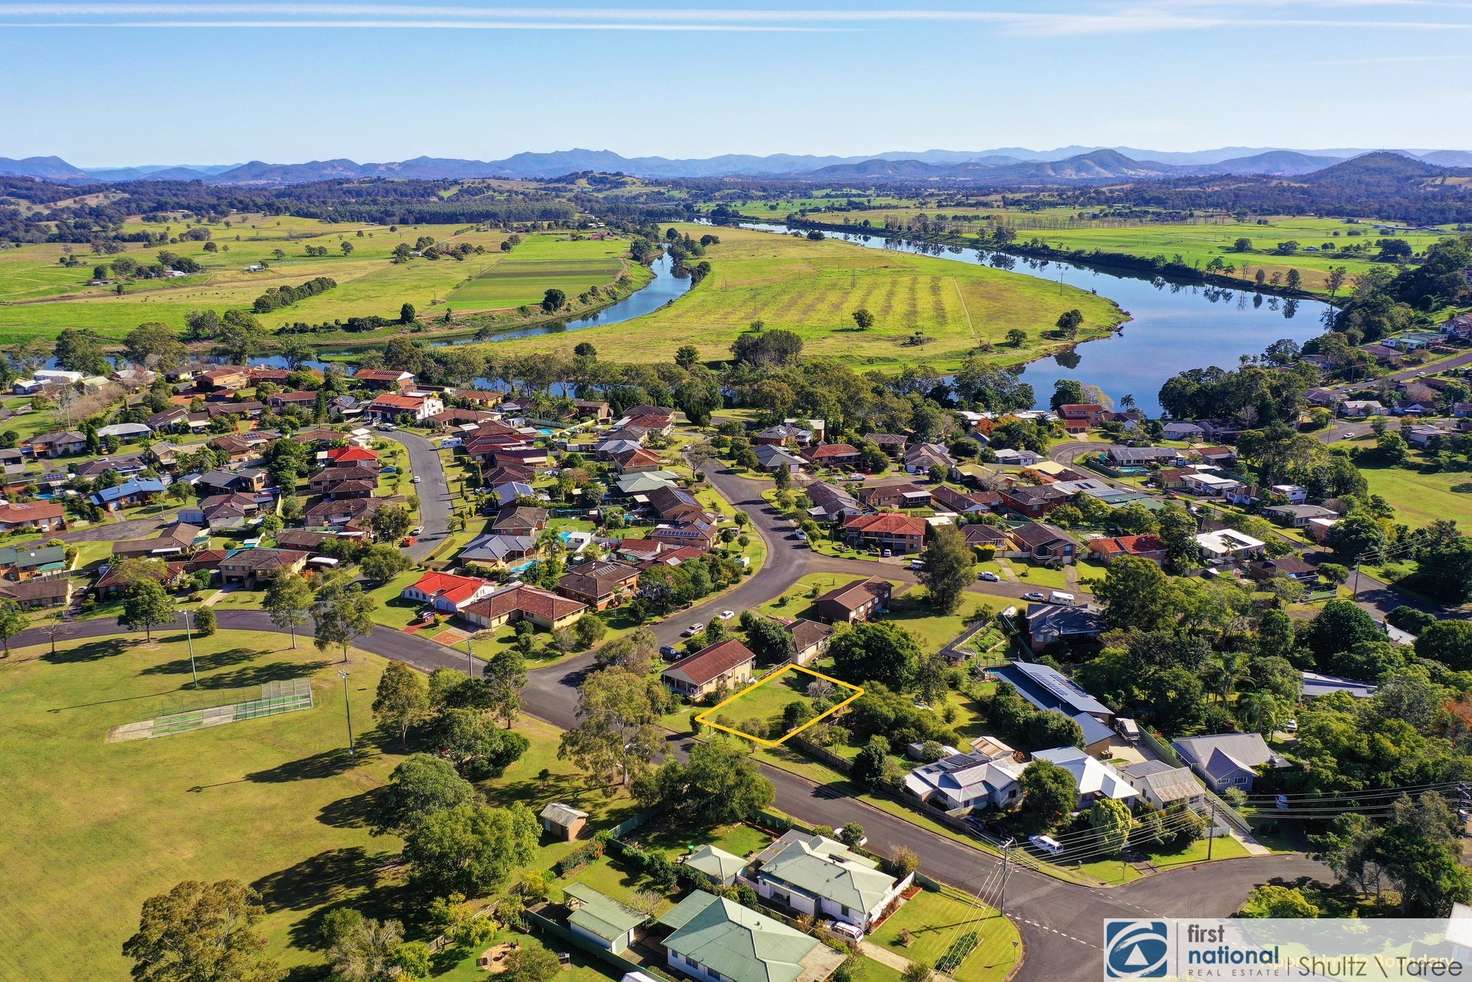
{"type": "Point", "coordinates": [886, 530]}
{"type": "Point", "coordinates": [854, 602]}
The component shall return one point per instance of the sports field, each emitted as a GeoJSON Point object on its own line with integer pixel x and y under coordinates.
{"type": "Point", "coordinates": [812, 288]}
{"type": "Point", "coordinates": [39, 297]}
{"type": "Point", "coordinates": [93, 828]}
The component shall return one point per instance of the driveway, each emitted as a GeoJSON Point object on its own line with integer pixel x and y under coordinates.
{"type": "Point", "coordinates": [433, 492]}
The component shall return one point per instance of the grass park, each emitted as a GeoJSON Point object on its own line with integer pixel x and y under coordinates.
{"type": "Point", "coordinates": [813, 287]}
{"type": "Point", "coordinates": [39, 297]}
{"type": "Point", "coordinates": [94, 827]}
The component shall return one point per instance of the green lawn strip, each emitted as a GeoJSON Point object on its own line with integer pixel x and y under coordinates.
{"type": "Point", "coordinates": [938, 920]}
{"type": "Point", "coordinates": [584, 967]}
{"type": "Point", "coordinates": [129, 820]}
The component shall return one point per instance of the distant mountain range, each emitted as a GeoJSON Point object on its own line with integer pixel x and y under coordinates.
{"type": "Point", "coordinates": [1003, 165]}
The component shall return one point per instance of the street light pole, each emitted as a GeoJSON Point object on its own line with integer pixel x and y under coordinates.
{"type": "Point", "coordinates": [189, 636]}
{"type": "Point", "coordinates": [347, 705]}
{"type": "Point", "coordinates": [469, 663]}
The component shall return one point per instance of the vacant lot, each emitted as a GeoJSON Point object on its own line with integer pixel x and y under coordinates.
{"type": "Point", "coordinates": [813, 288]}
{"type": "Point", "coordinates": [39, 296]}
{"type": "Point", "coordinates": [1420, 499]}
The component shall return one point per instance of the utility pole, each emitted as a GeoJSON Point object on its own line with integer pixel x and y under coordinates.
{"type": "Point", "coordinates": [469, 662]}
{"type": "Point", "coordinates": [1211, 831]}
{"type": "Point", "coordinates": [1006, 871]}
{"type": "Point", "coordinates": [347, 705]}
{"type": "Point", "coordinates": [189, 636]}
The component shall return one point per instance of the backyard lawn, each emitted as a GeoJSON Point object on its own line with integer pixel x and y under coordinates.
{"type": "Point", "coordinates": [936, 921]}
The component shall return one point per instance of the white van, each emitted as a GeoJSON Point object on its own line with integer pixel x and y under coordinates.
{"type": "Point", "coordinates": [1046, 843]}
{"type": "Point", "coordinates": [1064, 599]}
{"type": "Point", "coordinates": [847, 931]}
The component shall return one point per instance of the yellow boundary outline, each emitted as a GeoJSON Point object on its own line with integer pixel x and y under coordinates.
{"type": "Point", "coordinates": [771, 677]}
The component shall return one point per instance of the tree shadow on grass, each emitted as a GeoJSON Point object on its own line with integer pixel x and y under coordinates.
{"type": "Point", "coordinates": [328, 763]}
{"type": "Point", "coordinates": [256, 675]}
{"type": "Point", "coordinates": [354, 811]}
{"type": "Point", "coordinates": [204, 663]}
{"type": "Point", "coordinates": [380, 901]}
{"type": "Point", "coordinates": [320, 879]}
{"type": "Point", "coordinates": [91, 651]}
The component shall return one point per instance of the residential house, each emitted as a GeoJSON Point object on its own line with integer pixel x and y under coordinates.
{"type": "Point", "coordinates": [674, 504]}
{"type": "Point", "coordinates": [1209, 485]}
{"type": "Point", "coordinates": [135, 491]}
{"type": "Point", "coordinates": [1226, 547]}
{"type": "Point", "coordinates": [170, 420]}
{"type": "Point", "coordinates": [239, 447]}
{"type": "Point", "coordinates": [1221, 430]}
{"type": "Point", "coordinates": [1047, 689]}
{"type": "Point", "coordinates": [358, 457]}
{"type": "Point", "coordinates": [1182, 429]}
{"type": "Point", "coordinates": [720, 866]}
{"type": "Point", "coordinates": [1050, 624]}
{"type": "Point", "coordinates": [447, 592]}
{"type": "Point", "coordinates": [478, 397]}
{"type": "Point", "coordinates": [1293, 494]}
{"type": "Point", "coordinates": [1078, 417]}
{"type": "Point", "coordinates": [962, 502]}
{"type": "Point", "coordinates": [1016, 458]}
{"type": "Point", "coordinates": [391, 407]}
{"type": "Point", "coordinates": [305, 540]}
{"type": "Point", "coordinates": [223, 378]}
{"type": "Point", "coordinates": [55, 591]}
{"type": "Point", "coordinates": [1227, 760]}
{"type": "Point", "coordinates": [255, 568]}
{"type": "Point", "coordinates": [39, 516]}
{"type": "Point", "coordinates": [880, 496]}
{"type": "Point", "coordinates": [783, 435]}
{"type": "Point", "coordinates": [387, 379]}
{"type": "Point", "coordinates": [833, 455]}
{"type": "Point", "coordinates": [124, 432]}
{"type": "Point", "coordinates": [1163, 786]}
{"type": "Point", "coordinates": [1424, 436]}
{"type": "Point", "coordinates": [114, 579]}
{"type": "Point", "coordinates": [520, 520]}
{"type": "Point", "coordinates": [517, 602]}
{"type": "Point", "coordinates": [61, 443]}
{"type": "Point", "coordinates": [713, 939]}
{"type": "Point", "coordinates": [900, 534]}
{"type": "Point", "coordinates": [1108, 548]}
{"type": "Point", "coordinates": [499, 550]}
{"type": "Point", "coordinates": [1040, 542]}
{"type": "Point", "coordinates": [1328, 398]}
{"type": "Point", "coordinates": [598, 412]}
{"type": "Point", "coordinates": [856, 601]}
{"type": "Point", "coordinates": [924, 457]}
{"type": "Point", "coordinates": [599, 585]}
{"type": "Point", "coordinates": [1094, 779]}
{"type": "Point", "coordinates": [600, 920]}
{"type": "Point", "coordinates": [1360, 408]}
{"type": "Point", "coordinates": [697, 534]}
{"type": "Point", "coordinates": [248, 481]}
{"type": "Point", "coordinates": [175, 541]}
{"type": "Point", "coordinates": [981, 536]}
{"type": "Point", "coordinates": [27, 561]}
{"type": "Point", "coordinates": [651, 419]}
{"type": "Point", "coordinates": [344, 482]}
{"type": "Point", "coordinates": [124, 467]}
{"type": "Point", "coordinates": [1298, 516]}
{"type": "Point", "coordinates": [809, 640]}
{"type": "Point", "coordinates": [1142, 456]}
{"type": "Point", "coordinates": [1313, 686]}
{"type": "Point", "coordinates": [1317, 529]}
{"type": "Point", "coordinates": [636, 461]}
{"type": "Point", "coordinates": [831, 503]}
{"type": "Point", "coordinates": [892, 444]}
{"type": "Point", "coordinates": [715, 667]}
{"type": "Point", "coordinates": [772, 457]}
{"type": "Point", "coordinates": [960, 783]}
{"type": "Point", "coordinates": [820, 877]}
{"type": "Point", "coordinates": [1033, 500]}
{"type": "Point", "coordinates": [220, 512]}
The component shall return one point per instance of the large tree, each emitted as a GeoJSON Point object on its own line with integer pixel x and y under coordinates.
{"type": "Point", "coordinates": [288, 602]}
{"type": "Point", "coordinates": [1137, 594]}
{"type": "Point", "coordinates": [470, 739]}
{"type": "Point", "coordinates": [470, 849]}
{"type": "Point", "coordinates": [876, 652]}
{"type": "Point", "coordinates": [615, 735]}
{"type": "Point", "coordinates": [13, 620]}
{"type": "Point", "coordinates": [201, 932]}
{"type": "Point", "coordinates": [148, 605]}
{"type": "Point", "coordinates": [1048, 795]}
{"type": "Point", "coordinates": [367, 950]}
{"type": "Point", "coordinates": [402, 699]}
{"type": "Point", "coordinates": [719, 783]}
{"type": "Point", "coordinates": [947, 569]}
{"type": "Point", "coordinates": [419, 786]}
{"type": "Point", "coordinates": [1109, 820]}
{"type": "Point", "coordinates": [341, 613]}
{"type": "Point", "coordinates": [504, 675]}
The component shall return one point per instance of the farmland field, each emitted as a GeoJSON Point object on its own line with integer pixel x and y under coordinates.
{"type": "Point", "coordinates": [40, 297]}
{"type": "Point", "coordinates": [812, 288]}
{"type": "Point", "coordinates": [1196, 243]}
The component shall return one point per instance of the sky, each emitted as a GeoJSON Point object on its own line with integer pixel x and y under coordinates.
{"type": "Point", "coordinates": [114, 82]}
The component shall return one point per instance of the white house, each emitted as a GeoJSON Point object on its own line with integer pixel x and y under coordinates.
{"type": "Point", "coordinates": [965, 782]}
{"type": "Point", "coordinates": [1294, 494]}
{"type": "Point", "coordinates": [1360, 408]}
{"type": "Point", "coordinates": [1180, 429]}
{"type": "Point", "coordinates": [1208, 484]}
{"type": "Point", "coordinates": [1018, 458]}
{"type": "Point", "coordinates": [1162, 785]}
{"type": "Point", "coordinates": [1227, 546]}
{"type": "Point", "coordinates": [1093, 778]}
{"type": "Point", "coordinates": [815, 875]}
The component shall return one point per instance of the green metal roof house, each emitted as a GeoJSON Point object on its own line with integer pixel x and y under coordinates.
{"type": "Point", "coordinates": [813, 874]}
{"type": "Point", "coordinates": [718, 864]}
{"type": "Point", "coordinates": [601, 919]}
{"type": "Point", "coordinates": [718, 940]}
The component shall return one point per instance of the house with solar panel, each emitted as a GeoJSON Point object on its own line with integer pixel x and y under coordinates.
{"type": "Point", "coordinates": [1047, 688]}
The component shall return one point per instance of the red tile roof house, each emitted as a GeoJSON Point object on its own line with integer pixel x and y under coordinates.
{"type": "Point", "coordinates": [384, 378]}
{"type": "Point", "coordinates": [853, 602]}
{"type": "Point", "coordinates": [640, 550]}
{"type": "Point", "coordinates": [1033, 500]}
{"type": "Point", "coordinates": [226, 377]}
{"type": "Point", "coordinates": [1079, 416]}
{"type": "Point", "coordinates": [599, 585]}
{"type": "Point", "coordinates": [700, 535]}
{"type": "Point", "coordinates": [534, 457]}
{"type": "Point", "coordinates": [833, 455]}
{"type": "Point", "coordinates": [1044, 543]}
{"type": "Point", "coordinates": [520, 602]}
{"type": "Point", "coordinates": [887, 530]}
{"type": "Point", "coordinates": [447, 592]}
{"type": "Point", "coordinates": [1107, 548]}
{"type": "Point", "coordinates": [353, 456]}
{"type": "Point", "coordinates": [393, 408]}
{"type": "Point", "coordinates": [720, 666]}
{"type": "Point", "coordinates": [637, 461]}
{"type": "Point", "coordinates": [895, 496]}
{"type": "Point", "coordinates": [42, 516]}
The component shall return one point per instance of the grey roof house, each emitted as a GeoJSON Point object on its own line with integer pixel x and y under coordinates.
{"type": "Point", "coordinates": [1227, 760]}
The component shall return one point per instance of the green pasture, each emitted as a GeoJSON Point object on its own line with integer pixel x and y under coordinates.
{"type": "Point", "coordinates": [812, 288]}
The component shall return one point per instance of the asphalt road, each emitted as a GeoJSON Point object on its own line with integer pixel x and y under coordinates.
{"type": "Point", "coordinates": [432, 492]}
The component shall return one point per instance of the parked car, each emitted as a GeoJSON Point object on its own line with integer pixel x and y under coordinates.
{"type": "Point", "coordinates": [989, 576]}
{"type": "Point", "coordinates": [415, 479]}
{"type": "Point", "coordinates": [694, 629]}
{"type": "Point", "coordinates": [417, 530]}
{"type": "Point", "coordinates": [726, 615]}
{"type": "Point", "coordinates": [409, 540]}
{"type": "Point", "coordinates": [1036, 595]}
{"type": "Point", "coordinates": [847, 931]}
{"type": "Point", "coordinates": [886, 554]}
{"type": "Point", "coordinates": [1046, 843]}
{"type": "Point", "coordinates": [669, 652]}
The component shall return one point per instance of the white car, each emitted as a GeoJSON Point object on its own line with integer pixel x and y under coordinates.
{"type": "Point", "coordinates": [847, 931]}
{"type": "Point", "coordinates": [989, 576]}
{"type": "Point", "coordinates": [726, 615]}
{"type": "Point", "coordinates": [694, 629]}
{"type": "Point", "coordinates": [417, 530]}
{"type": "Point", "coordinates": [415, 479]}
